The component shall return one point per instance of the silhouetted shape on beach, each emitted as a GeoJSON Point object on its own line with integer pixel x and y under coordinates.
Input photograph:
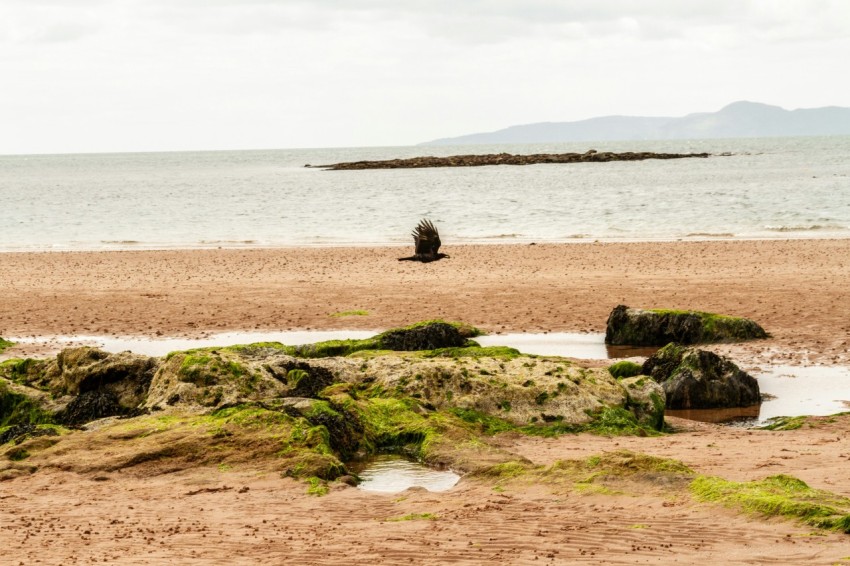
{"type": "Point", "coordinates": [426, 240]}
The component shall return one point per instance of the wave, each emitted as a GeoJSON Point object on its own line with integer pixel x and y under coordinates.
{"type": "Point", "coordinates": [807, 228]}
{"type": "Point", "coordinates": [710, 235]}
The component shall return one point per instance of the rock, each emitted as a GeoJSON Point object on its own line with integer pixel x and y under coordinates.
{"type": "Point", "coordinates": [646, 399]}
{"type": "Point", "coordinates": [428, 336]}
{"type": "Point", "coordinates": [90, 406]}
{"type": "Point", "coordinates": [638, 327]}
{"type": "Point", "coordinates": [348, 480]}
{"type": "Point", "coordinates": [125, 377]}
{"type": "Point", "coordinates": [506, 159]}
{"type": "Point", "coordinates": [699, 379]}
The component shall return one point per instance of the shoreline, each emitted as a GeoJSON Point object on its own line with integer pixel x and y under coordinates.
{"type": "Point", "coordinates": [793, 287]}
{"type": "Point", "coordinates": [781, 235]}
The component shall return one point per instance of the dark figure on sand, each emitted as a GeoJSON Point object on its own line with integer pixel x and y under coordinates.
{"type": "Point", "coordinates": [427, 242]}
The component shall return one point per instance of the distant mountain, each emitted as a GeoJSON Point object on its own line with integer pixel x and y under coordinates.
{"type": "Point", "coordinates": [737, 120]}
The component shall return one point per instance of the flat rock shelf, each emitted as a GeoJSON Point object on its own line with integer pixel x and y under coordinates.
{"type": "Point", "coordinates": [505, 159]}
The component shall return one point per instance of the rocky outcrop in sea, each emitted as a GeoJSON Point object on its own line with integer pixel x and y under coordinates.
{"type": "Point", "coordinates": [505, 159]}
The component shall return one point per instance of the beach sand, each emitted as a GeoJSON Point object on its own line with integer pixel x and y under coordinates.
{"type": "Point", "coordinates": [797, 290]}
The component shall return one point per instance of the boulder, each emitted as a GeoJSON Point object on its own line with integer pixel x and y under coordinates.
{"type": "Point", "coordinates": [699, 379]}
{"type": "Point", "coordinates": [123, 378]}
{"type": "Point", "coordinates": [427, 336]}
{"type": "Point", "coordinates": [657, 327]}
{"type": "Point", "coordinates": [646, 399]}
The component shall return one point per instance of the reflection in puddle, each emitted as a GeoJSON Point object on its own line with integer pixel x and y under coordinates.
{"type": "Point", "coordinates": [392, 474]}
{"type": "Point", "coordinates": [790, 391]}
{"type": "Point", "coordinates": [734, 414]}
{"type": "Point", "coordinates": [796, 391]}
{"type": "Point", "coordinates": [566, 344]}
{"type": "Point", "coordinates": [147, 346]}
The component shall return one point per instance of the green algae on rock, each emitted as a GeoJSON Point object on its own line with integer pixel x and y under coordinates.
{"type": "Point", "coordinates": [5, 344]}
{"type": "Point", "coordinates": [699, 379]}
{"type": "Point", "coordinates": [625, 368]}
{"type": "Point", "coordinates": [658, 327]}
{"type": "Point", "coordinates": [306, 417]}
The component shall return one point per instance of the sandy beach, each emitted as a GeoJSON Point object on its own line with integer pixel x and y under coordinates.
{"type": "Point", "coordinates": [796, 289]}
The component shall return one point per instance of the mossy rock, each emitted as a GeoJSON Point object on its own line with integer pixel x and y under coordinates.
{"type": "Point", "coordinates": [423, 336]}
{"type": "Point", "coordinates": [646, 399]}
{"type": "Point", "coordinates": [658, 327]}
{"type": "Point", "coordinates": [699, 379]}
{"type": "Point", "coordinates": [21, 407]}
{"type": "Point", "coordinates": [29, 372]}
{"type": "Point", "coordinates": [426, 335]}
{"type": "Point", "coordinates": [218, 377]}
{"type": "Point", "coordinates": [125, 376]}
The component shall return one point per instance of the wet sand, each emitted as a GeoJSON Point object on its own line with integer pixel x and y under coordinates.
{"type": "Point", "coordinates": [796, 289]}
{"type": "Point", "coordinates": [242, 516]}
{"type": "Point", "coordinates": [146, 515]}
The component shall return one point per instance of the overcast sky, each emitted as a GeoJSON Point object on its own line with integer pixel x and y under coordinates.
{"type": "Point", "coordinates": [127, 75]}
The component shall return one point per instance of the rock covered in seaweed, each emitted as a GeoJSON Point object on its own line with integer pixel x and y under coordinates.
{"type": "Point", "coordinates": [657, 327]}
{"type": "Point", "coordinates": [699, 379]}
{"type": "Point", "coordinates": [427, 336]}
{"type": "Point", "coordinates": [646, 399]}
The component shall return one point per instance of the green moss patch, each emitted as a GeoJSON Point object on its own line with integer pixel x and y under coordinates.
{"type": "Point", "coordinates": [23, 371]}
{"type": "Point", "coordinates": [332, 348]}
{"type": "Point", "coordinates": [625, 368]}
{"type": "Point", "coordinates": [781, 495]}
{"type": "Point", "coordinates": [16, 408]}
{"type": "Point", "coordinates": [594, 473]}
{"type": "Point", "coordinates": [784, 423]}
{"type": "Point", "coordinates": [609, 421]}
{"type": "Point", "coordinates": [5, 344]}
{"type": "Point", "coordinates": [497, 352]}
{"type": "Point", "coordinates": [414, 517]}
{"type": "Point", "coordinates": [350, 313]}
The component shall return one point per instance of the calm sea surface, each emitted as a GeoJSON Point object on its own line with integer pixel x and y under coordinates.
{"type": "Point", "coordinates": [788, 188]}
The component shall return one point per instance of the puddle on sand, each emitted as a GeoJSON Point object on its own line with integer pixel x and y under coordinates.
{"type": "Point", "coordinates": [791, 392]}
{"type": "Point", "coordinates": [393, 474]}
{"type": "Point", "coordinates": [161, 346]}
{"type": "Point", "coordinates": [566, 344]}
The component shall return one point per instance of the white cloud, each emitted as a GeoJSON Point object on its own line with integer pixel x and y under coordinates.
{"type": "Point", "coordinates": [156, 74]}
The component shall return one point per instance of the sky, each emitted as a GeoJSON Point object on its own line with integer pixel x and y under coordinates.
{"type": "Point", "coordinates": [165, 75]}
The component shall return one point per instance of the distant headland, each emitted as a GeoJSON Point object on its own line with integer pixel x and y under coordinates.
{"type": "Point", "coordinates": [737, 120]}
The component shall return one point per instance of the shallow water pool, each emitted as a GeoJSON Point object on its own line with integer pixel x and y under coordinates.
{"type": "Point", "coordinates": [393, 474]}
{"type": "Point", "coordinates": [589, 346]}
{"type": "Point", "coordinates": [790, 391]}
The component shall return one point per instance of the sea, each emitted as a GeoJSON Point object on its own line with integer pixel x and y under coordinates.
{"type": "Point", "coordinates": [748, 189]}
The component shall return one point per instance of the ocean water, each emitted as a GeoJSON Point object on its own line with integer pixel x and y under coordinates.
{"type": "Point", "coordinates": [767, 188]}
